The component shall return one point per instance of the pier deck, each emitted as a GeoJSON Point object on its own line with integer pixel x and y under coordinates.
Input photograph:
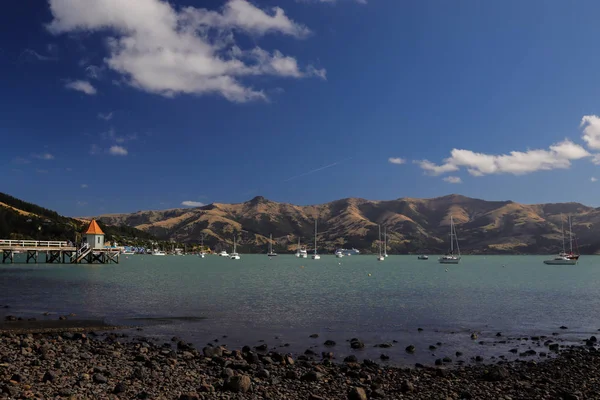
{"type": "Point", "coordinates": [56, 252]}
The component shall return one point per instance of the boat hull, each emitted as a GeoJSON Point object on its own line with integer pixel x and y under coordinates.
{"type": "Point", "coordinates": [316, 257]}
{"type": "Point", "coordinates": [271, 255]}
{"type": "Point", "coordinates": [449, 260]}
{"type": "Point", "coordinates": [560, 262]}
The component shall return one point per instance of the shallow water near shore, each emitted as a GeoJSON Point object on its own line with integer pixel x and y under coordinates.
{"type": "Point", "coordinates": [283, 300]}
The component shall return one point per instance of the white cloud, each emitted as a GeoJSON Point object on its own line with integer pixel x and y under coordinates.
{"type": "Point", "coordinates": [189, 203]}
{"type": "Point", "coordinates": [433, 169]}
{"type": "Point", "coordinates": [84, 186]}
{"type": "Point", "coordinates": [117, 151]}
{"type": "Point", "coordinates": [106, 117]}
{"type": "Point", "coordinates": [20, 160]}
{"type": "Point", "coordinates": [591, 131]}
{"type": "Point", "coordinates": [452, 179]}
{"type": "Point", "coordinates": [44, 156]}
{"type": "Point", "coordinates": [558, 156]}
{"type": "Point", "coordinates": [160, 49]}
{"type": "Point", "coordinates": [41, 171]}
{"type": "Point", "coordinates": [397, 160]}
{"type": "Point", "coordinates": [81, 86]}
{"type": "Point", "coordinates": [593, 179]}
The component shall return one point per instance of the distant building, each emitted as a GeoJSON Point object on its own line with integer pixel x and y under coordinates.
{"type": "Point", "coordinates": [94, 235]}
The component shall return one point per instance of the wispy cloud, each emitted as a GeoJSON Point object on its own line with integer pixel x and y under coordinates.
{"type": "Point", "coordinates": [32, 55]}
{"type": "Point", "coordinates": [332, 1]}
{"type": "Point", "coordinates": [317, 170]}
{"type": "Point", "coordinates": [93, 71]}
{"type": "Point", "coordinates": [452, 179]}
{"type": "Point", "coordinates": [397, 160]}
{"type": "Point", "coordinates": [190, 203]}
{"type": "Point", "coordinates": [186, 50]}
{"type": "Point", "coordinates": [41, 171]}
{"type": "Point", "coordinates": [20, 161]}
{"type": "Point", "coordinates": [44, 156]}
{"type": "Point", "coordinates": [84, 186]}
{"type": "Point", "coordinates": [593, 179]}
{"type": "Point", "coordinates": [95, 149]}
{"type": "Point", "coordinates": [107, 117]}
{"type": "Point", "coordinates": [117, 151]}
{"type": "Point", "coordinates": [111, 134]}
{"type": "Point", "coordinates": [81, 86]}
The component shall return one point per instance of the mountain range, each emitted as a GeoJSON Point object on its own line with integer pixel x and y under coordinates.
{"type": "Point", "coordinates": [412, 225]}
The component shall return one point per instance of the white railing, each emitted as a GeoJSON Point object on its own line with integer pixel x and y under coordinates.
{"type": "Point", "coordinates": [33, 243]}
{"type": "Point", "coordinates": [83, 249]}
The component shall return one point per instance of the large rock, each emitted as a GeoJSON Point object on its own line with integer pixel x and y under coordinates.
{"type": "Point", "coordinates": [239, 384]}
{"type": "Point", "coordinates": [496, 374]}
{"type": "Point", "coordinates": [212, 351]}
{"type": "Point", "coordinates": [312, 376]}
{"type": "Point", "coordinates": [49, 376]}
{"type": "Point", "coordinates": [356, 343]}
{"type": "Point", "coordinates": [357, 393]}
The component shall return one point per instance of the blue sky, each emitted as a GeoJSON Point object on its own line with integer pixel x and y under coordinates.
{"type": "Point", "coordinates": [114, 106]}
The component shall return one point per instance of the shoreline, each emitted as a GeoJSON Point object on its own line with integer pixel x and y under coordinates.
{"type": "Point", "coordinates": [64, 364]}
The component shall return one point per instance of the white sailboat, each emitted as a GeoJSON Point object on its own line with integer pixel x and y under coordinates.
{"type": "Point", "coordinates": [271, 253]}
{"type": "Point", "coordinates": [234, 255]}
{"type": "Point", "coordinates": [316, 256]}
{"type": "Point", "coordinates": [451, 258]}
{"type": "Point", "coordinates": [301, 252]}
{"type": "Point", "coordinates": [202, 248]}
{"type": "Point", "coordinates": [380, 257]}
{"type": "Point", "coordinates": [339, 254]}
{"type": "Point", "coordinates": [385, 254]}
{"type": "Point", "coordinates": [563, 257]}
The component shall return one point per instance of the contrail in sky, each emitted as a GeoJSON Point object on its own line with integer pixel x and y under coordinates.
{"type": "Point", "coordinates": [317, 169]}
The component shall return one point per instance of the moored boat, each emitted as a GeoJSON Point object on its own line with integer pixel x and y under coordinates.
{"type": "Point", "coordinates": [450, 257]}
{"type": "Point", "coordinates": [271, 253]}
{"type": "Point", "coordinates": [423, 257]}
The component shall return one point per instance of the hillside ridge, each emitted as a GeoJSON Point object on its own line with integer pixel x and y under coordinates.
{"type": "Point", "coordinates": [414, 225]}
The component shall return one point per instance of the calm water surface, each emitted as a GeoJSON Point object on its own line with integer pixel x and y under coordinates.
{"type": "Point", "coordinates": [256, 298]}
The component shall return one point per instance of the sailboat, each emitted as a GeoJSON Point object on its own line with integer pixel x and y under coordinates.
{"type": "Point", "coordinates": [202, 248]}
{"type": "Point", "coordinates": [563, 257]}
{"type": "Point", "coordinates": [316, 256]}
{"type": "Point", "coordinates": [385, 254]}
{"type": "Point", "coordinates": [301, 252]}
{"type": "Point", "coordinates": [380, 257]}
{"type": "Point", "coordinates": [271, 253]}
{"type": "Point", "coordinates": [451, 258]}
{"type": "Point", "coordinates": [234, 255]}
{"type": "Point", "coordinates": [570, 255]}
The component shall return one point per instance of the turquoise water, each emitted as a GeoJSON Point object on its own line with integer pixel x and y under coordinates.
{"type": "Point", "coordinates": [257, 298]}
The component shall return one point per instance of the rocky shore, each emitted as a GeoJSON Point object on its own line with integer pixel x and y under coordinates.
{"type": "Point", "coordinates": [76, 365]}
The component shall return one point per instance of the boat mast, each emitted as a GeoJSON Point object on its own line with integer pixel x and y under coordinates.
{"type": "Point", "coordinates": [271, 243]}
{"type": "Point", "coordinates": [570, 235]}
{"type": "Point", "coordinates": [315, 236]}
{"type": "Point", "coordinates": [562, 229]}
{"type": "Point", "coordinates": [385, 240]}
{"type": "Point", "coordinates": [451, 236]}
{"type": "Point", "coordinates": [379, 226]}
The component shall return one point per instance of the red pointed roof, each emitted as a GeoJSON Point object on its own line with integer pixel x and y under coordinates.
{"type": "Point", "coordinates": [94, 229]}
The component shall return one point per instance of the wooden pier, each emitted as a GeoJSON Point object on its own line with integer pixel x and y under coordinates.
{"type": "Point", "coordinates": [56, 252]}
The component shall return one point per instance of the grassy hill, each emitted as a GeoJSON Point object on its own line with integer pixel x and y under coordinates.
{"type": "Point", "coordinates": [21, 220]}
{"type": "Point", "coordinates": [413, 225]}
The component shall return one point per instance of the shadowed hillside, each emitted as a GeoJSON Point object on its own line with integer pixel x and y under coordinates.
{"type": "Point", "coordinates": [413, 225]}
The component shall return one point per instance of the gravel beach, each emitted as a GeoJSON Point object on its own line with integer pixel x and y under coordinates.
{"type": "Point", "coordinates": [109, 365]}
